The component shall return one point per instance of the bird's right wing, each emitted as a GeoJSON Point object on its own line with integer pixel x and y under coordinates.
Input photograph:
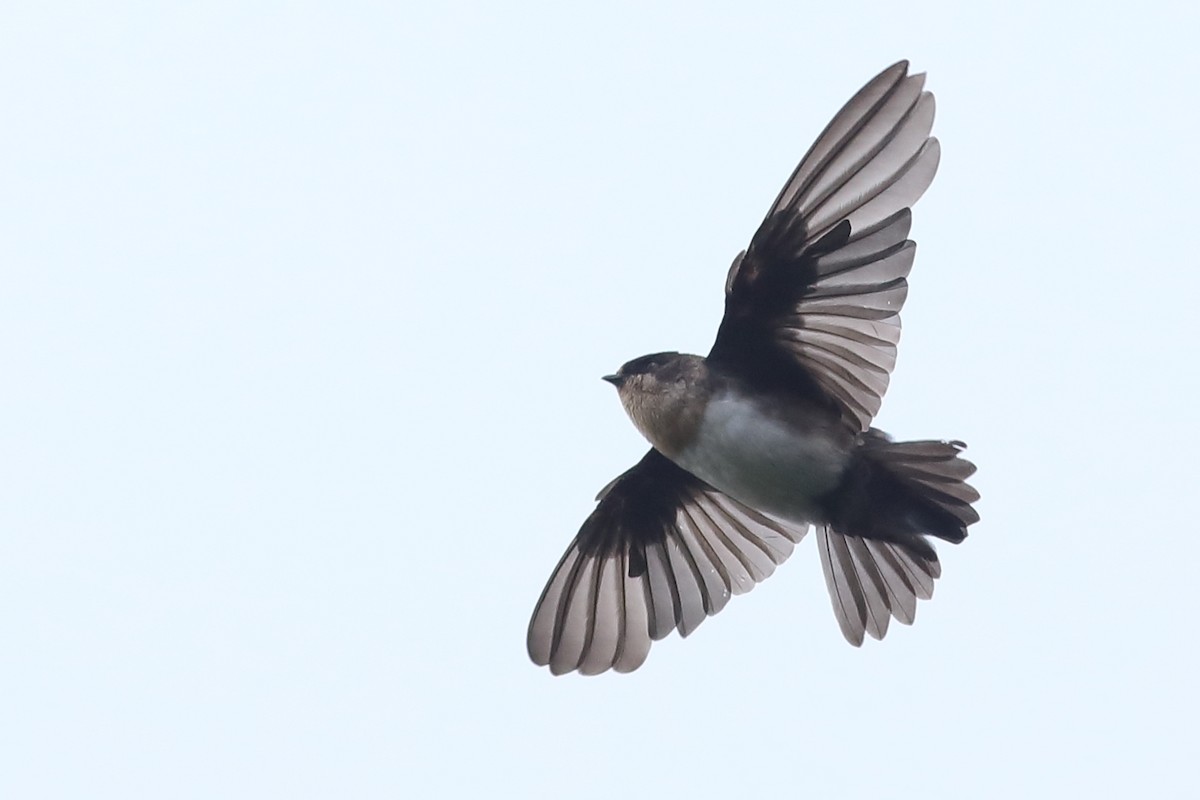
{"type": "Point", "coordinates": [661, 551]}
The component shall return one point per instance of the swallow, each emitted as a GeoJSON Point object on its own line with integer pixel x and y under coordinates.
{"type": "Point", "coordinates": [770, 434]}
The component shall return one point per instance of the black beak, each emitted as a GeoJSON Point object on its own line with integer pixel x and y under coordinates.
{"type": "Point", "coordinates": [615, 380]}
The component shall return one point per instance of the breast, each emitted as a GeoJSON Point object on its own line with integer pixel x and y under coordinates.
{"type": "Point", "coordinates": [772, 456]}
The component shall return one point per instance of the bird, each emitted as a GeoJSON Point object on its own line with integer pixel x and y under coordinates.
{"type": "Point", "coordinates": [770, 435]}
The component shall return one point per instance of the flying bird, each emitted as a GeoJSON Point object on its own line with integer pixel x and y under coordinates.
{"type": "Point", "coordinates": [770, 433]}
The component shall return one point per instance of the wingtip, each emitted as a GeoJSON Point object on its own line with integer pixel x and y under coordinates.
{"type": "Point", "coordinates": [933, 146]}
{"type": "Point", "coordinates": [899, 66]}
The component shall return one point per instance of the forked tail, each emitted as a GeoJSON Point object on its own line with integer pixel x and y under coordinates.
{"type": "Point", "coordinates": [874, 549]}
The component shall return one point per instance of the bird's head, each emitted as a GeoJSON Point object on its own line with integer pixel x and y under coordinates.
{"type": "Point", "coordinates": [664, 394]}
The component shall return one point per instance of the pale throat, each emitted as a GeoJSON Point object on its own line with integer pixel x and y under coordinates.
{"type": "Point", "coordinates": [665, 418]}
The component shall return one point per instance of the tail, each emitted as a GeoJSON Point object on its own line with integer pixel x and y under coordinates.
{"type": "Point", "coordinates": [874, 547]}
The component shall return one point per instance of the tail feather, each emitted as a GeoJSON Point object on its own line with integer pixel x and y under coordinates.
{"type": "Point", "coordinates": [937, 476]}
{"type": "Point", "coordinates": [872, 581]}
{"type": "Point", "coordinates": [874, 548]}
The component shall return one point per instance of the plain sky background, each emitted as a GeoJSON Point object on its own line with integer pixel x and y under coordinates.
{"type": "Point", "coordinates": [303, 309]}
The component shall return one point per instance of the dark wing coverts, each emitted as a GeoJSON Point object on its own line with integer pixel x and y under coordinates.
{"type": "Point", "coordinates": [813, 304]}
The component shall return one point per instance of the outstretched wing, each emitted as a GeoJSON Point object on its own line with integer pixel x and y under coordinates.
{"type": "Point", "coordinates": [661, 551]}
{"type": "Point", "coordinates": [813, 305]}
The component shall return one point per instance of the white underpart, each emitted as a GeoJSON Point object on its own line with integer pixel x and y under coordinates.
{"type": "Point", "coordinates": [763, 461]}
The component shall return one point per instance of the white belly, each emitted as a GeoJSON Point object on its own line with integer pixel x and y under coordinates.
{"type": "Point", "coordinates": [764, 461]}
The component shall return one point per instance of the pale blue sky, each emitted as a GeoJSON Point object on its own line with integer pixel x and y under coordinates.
{"type": "Point", "coordinates": [303, 312]}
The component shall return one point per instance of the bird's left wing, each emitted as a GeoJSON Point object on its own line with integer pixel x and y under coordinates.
{"type": "Point", "coordinates": [813, 305]}
{"type": "Point", "coordinates": [661, 551]}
